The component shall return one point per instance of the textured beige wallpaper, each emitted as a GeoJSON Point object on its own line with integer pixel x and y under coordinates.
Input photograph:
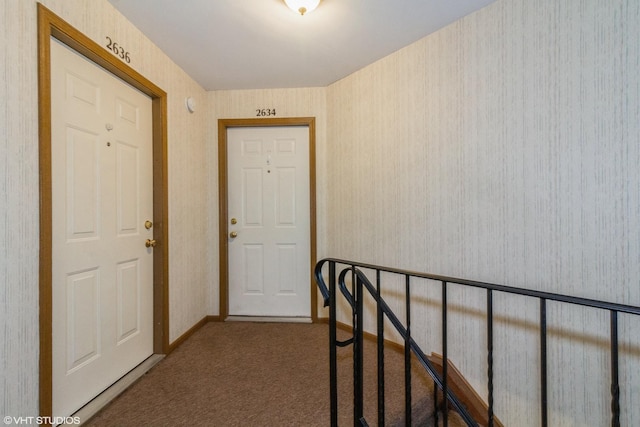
{"type": "Point", "coordinates": [504, 148]}
{"type": "Point", "coordinates": [188, 184]}
{"type": "Point", "coordinates": [18, 213]}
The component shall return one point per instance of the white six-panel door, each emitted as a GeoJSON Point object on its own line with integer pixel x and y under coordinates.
{"type": "Point", "coordinates": [269, 214]}
{"type": "Point", "coordinates": [102, 277]}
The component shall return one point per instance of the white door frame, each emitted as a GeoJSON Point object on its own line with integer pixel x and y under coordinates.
{"type": "Point", "coordinates": [50, 25]}
{"type": "Point", "coordinates": [223, 125]}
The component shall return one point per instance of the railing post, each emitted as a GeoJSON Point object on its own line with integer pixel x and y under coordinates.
{"type": "Point", "coordinates": [615, 385]}
{"type": "Point", "coordinates": [543, 362]}
{"type": "Point", "coordinates": [407, 353]}
{"type": "Point", "coordinates": [333, 365]}
{"type": "Point", "coordinates": [380, 323]}
{"type": "Point", "coordinates": [490, 356]}
{"type": "Point", "coordinates": [445, 359]}
{"type": "Point", "coordinates": [358, 390]}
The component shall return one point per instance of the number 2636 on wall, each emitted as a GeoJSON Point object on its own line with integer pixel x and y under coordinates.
{"type": "Point", "coordinates": [118, 50]}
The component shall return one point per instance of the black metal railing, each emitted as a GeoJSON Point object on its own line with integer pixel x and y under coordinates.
{"type": "Point", "coordinates": [360, 284]}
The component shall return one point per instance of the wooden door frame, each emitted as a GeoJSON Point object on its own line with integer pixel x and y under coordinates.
{"type": "Point", "coordinates": [50, 25]}
{"type": "Point", "coordinates": [223, 126]}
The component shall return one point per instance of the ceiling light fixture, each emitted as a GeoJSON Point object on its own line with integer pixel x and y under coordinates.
{"type": "Point", "coordinates": [302, 6]}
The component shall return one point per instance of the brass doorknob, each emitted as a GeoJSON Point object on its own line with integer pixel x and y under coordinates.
{"type": "Point", "coordinates": [233, 234]}
{"type": "Point", "coordinates": [151, 243]}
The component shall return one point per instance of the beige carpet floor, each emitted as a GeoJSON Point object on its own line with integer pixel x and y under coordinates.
{"type": "Point", "coordinates": [261, 374]}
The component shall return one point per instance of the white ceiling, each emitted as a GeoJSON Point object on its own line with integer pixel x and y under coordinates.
{"type": "Point", "coordinates": [261, 44]}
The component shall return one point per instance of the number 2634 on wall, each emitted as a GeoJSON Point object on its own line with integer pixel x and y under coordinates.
{"type": "Point", "coordinates": [265, 112]}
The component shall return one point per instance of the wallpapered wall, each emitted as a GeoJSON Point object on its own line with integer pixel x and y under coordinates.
{"type": "Point", "coordinates": [504, 148]}
{"type": "Point", "coordinates": [19, 233]}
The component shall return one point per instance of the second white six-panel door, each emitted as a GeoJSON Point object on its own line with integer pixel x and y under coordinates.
{"type": "Point", "coordinates": [269, 221]}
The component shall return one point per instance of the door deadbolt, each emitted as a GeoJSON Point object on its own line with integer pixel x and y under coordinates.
{"type": "Point", "coordinates": [148, 224]}
{"type": "Point", "coordinates": [234, 221]}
